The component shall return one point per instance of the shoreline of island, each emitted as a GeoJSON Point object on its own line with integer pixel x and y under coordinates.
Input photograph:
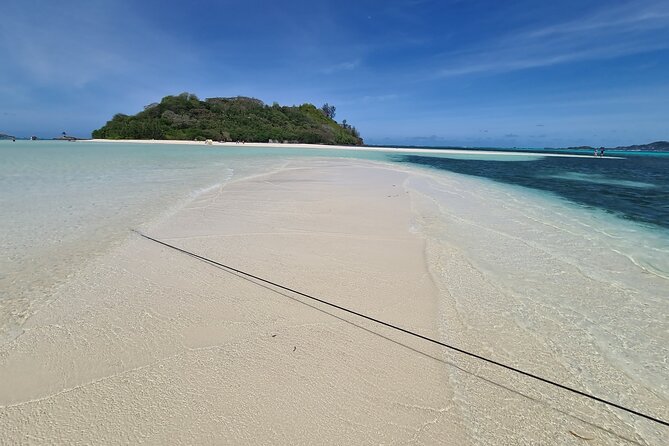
{"type": "Point", "coordinates": [401, 150]}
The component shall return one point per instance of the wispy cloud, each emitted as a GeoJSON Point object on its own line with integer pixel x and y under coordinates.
{"type": "Point", "coordinates": [636, 15]}
{"type": "Point", "coordinates": [342, 66]}
{"type": "Point", "coordinates": [632, 28]}
{"type": "Point", "coordinates": [380, 98]}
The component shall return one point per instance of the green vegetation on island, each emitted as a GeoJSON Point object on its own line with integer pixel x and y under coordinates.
{"type": "Point", "coordinates": [185, 117]}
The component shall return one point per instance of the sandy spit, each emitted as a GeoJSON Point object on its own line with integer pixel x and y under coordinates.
{"type": "Point", "coordinates": [352, 148]}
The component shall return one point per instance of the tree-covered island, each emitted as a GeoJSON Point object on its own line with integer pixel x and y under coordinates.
{"type": "Point", "coordinates": [185, 117]}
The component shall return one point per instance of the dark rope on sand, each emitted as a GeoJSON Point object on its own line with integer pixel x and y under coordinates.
{"type": "Point", "coordinates": [417, 335]}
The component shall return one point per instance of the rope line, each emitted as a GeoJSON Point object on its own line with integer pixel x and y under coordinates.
{"type": "Point", "coordinates": [417, 335]}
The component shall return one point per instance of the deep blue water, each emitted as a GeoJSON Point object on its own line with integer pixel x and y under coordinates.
{"type": "Point", "coordinates": [635, 187]}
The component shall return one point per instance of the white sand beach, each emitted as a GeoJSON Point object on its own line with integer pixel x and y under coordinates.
{"type": "Point", "coordinates": [146, 344]}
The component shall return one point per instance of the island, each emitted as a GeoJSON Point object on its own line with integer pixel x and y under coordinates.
{"type": "Point", "coordinates": [185, 117]}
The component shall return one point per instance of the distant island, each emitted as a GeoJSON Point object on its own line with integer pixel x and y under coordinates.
{"type": "Point", "coordinates": [657, 146]}
{"type": "Point", "coordinates": [185, 117]}
{"type": "Point", "coordinates": [5, 136]}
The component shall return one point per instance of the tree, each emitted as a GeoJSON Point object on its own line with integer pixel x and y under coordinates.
{"type": "Point", "coordinates": [329, 110]}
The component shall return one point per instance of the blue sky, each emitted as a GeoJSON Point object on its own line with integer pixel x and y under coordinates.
{"type": "Point", "coordinates": [459, 72]}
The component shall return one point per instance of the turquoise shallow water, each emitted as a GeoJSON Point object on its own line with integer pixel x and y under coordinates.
{"type": "Point", "coordinates": [65, 202]}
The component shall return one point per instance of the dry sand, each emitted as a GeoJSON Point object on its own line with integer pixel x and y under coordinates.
{"type": "Point", "coordinates": [150, 345]}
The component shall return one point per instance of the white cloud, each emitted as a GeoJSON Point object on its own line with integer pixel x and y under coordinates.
{"type": "Point", "coordinates": [343, 66]}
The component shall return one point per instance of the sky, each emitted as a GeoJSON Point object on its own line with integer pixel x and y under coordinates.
{"type": "Point", "coordinates": [485, 73]}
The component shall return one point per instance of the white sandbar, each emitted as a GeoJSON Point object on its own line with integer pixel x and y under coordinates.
{"type": "Point", "coordinates": [353, 148]}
